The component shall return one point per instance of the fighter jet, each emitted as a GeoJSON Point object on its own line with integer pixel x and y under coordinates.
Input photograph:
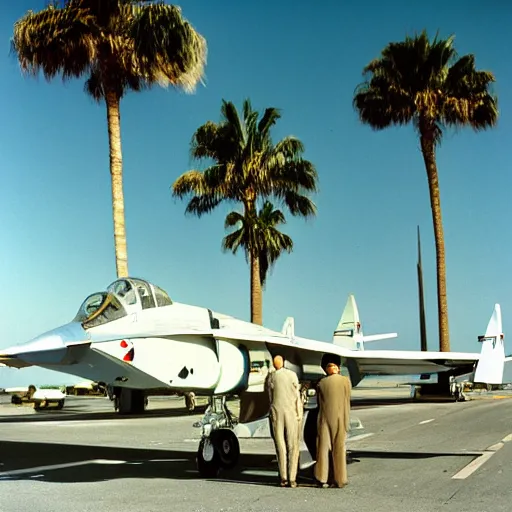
{"type": "Point", "coordinates": [133, 337]}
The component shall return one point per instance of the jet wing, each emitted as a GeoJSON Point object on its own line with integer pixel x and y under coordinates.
{"type": "Point", "coordinates": [375, 362]}
{"type": "Point", "coordinates": [13, 361]}
{"type": "Point", "coordinates": [401, 362]}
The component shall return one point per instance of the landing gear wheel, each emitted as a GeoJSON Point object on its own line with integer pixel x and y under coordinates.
{"type": "Point", "coordinates": [208, 460]}
{"type": "Point", "coordinates": [227, 446]}
{"type": "Point", "coordinates": [460, 396]}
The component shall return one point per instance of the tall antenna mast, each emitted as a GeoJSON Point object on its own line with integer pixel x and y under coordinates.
{"type": "Point", "coordinates": [423, 328]}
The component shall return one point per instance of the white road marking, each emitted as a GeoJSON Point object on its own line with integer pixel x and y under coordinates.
{"type": "Point", "coordinates": [168, 460]}
{"type": "Point", "coordinates": [426, 421]}
{"type": "Point", "coordinates": [478, 462]}
{"type": "Point", "coordinates": [38, 469]}
{"type": "Point", "coordinates": [359, 437]}
{"type": "Point", "coordinates": [508, 438]}
{"type": "Point", "coordinates": [259, 472]}
{"type": "Point", "coordinates": [494, 447]}
{"type": "Point", "coordinates": [25, 471]}
{"type": "Point", "coordinates": [472, 466]}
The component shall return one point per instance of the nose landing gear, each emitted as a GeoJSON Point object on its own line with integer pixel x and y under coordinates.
{"type": "Point", "coordinates": [219, 447]}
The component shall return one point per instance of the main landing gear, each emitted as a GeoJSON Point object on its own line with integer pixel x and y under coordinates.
{"type": "Point", "coordinates": [219, 447]}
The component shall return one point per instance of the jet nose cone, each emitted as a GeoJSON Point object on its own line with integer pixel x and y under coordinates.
{"type": "Point", "coordinates": [50, 347]}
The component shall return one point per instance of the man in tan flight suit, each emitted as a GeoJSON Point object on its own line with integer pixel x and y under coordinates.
{"type": "Point", "coordinates": [333, 394]}
{"type": "Point", "coordinates": [286, 419]}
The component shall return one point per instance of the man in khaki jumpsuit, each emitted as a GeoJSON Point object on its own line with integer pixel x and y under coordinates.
{"type": "Point", "coordinates": [333, 394]}
{"type": "Point", "coordinates": [286, 419]}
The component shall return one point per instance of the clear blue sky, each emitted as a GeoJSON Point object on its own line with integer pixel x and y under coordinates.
{"type": "Point", "coordinates": [55, 208]}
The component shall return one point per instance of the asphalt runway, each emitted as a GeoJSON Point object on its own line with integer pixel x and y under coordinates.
{"type": "Point", "coordinates": [409, 457]}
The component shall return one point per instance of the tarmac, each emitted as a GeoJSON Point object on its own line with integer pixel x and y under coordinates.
{"type": "Point", "coordinates": [410, 456]}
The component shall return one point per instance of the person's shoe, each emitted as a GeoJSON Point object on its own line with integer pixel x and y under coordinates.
{"type": "Point", "coordinates": [283, 483]}
{"type": "Point", "coordinates": [293, 484]}
{"type": "Point", "coordinates": [323, 485]}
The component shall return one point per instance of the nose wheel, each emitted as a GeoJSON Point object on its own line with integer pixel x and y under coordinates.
{"type": "Point", "coordinates": [221, 450]}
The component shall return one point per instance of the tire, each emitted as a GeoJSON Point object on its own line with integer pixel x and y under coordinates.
{"type": "Point", "coordinates": [60, 404]}
{"type": "Point", "coordinates": [227, 446]}
{"type": "Point", "coordinates": [208, 462]}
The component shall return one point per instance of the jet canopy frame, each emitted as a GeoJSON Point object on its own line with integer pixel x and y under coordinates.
{"type": "Point", "coordinates": [122, 297]}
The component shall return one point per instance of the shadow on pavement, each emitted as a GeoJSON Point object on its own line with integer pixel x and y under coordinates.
{"type": "Point", "coordinates": [74, 413]}
{"type": "Point", "coordinates": [66, 463]}
{"type": "Point", "coordinates": [368, 454]}
{"type": "Point", "coordinates": [96, 463]}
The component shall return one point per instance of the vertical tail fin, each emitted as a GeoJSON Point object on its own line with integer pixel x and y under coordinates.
{"type": "Point", "coordinates": [489, 369]}
{"type": "Point", "coordinates": [349, 333]}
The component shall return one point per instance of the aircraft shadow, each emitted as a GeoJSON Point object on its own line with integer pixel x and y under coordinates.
{"type": "Point", "coordinates": [117, 463]}
{"type": "Point", "coordinates": [364, 403]}
{"type": "Point", "coordinates": [79, 463]}
{"type": "Point", "coordinates": [357, 455]}
{"type": "Point", "coordinates": [75, 413]}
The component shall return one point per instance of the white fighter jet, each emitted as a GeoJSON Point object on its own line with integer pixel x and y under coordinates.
{"type": "Point", "coordinates": [136, 339]}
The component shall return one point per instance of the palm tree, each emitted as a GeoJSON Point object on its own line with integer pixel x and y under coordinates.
{"type": "Point", "coordinates": [423, 82]}
{"type": "Point", "coordinates": [119, 45]}
{"type": "Point", "coordinates": [244, 166]}
{"type": "Point", "coordinates": [260, 232]}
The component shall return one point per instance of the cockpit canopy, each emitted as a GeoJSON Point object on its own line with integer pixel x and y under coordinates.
{"type": "Point", "coordinates": [123, 296]}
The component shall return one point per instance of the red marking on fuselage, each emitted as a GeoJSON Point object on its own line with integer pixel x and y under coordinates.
{"type": "Point", "coordinates": [128, 357]}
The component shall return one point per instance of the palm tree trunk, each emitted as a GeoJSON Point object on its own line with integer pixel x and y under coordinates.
{"type": "Point", "coordinates": [256, 296]}
{"type": "Point", "coordinates": [429, 156]}
{"type": "Point", "coordinates": [116, 172]}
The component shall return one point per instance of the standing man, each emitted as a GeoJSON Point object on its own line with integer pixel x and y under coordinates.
{"type": "Point", "coordinates": [333, 394]}
{"type": "Point", "coordinates": [285, 419]}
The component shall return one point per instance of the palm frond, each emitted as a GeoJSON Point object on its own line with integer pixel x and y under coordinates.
{"type": "Point", "coordinates": [200, 205]}
{"type": "Point", "coordinates": [485, 113]}
{"type": "Point", "coordinates": [247, 109]}
{"type": "Point", "coordinates": [270, 216]}
{"type": "Point", "coordinates": [269, 119]}
{"type": "Point", "coordinates": [94, 86]}
{"type": "Point", "coordinates": [289, 147]}
{"type": "Point", "coordinates": [191, 181]}
{"type": "Point", "coordinates": [234, 241]}
{"type": "Point", "coordinates": [207, 141]}
{"type": "Point", "coordinates": [232, 219]}
{"type": "Point", "coordinates": [421, 81]}
{"type": "Point", "coordinates": [55, 41]}
{"type": "Point", "coordinates": [232, 119]}
{"type": "Point", "coordinates": [299, 176]}
{"type": "Point", "coordinates": [167, 46]}
{"type": "Point", "coordinates": [298, 204]}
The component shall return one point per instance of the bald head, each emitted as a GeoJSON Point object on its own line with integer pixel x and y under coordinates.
{"type": "Point", "coordinates": [278, 362]}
